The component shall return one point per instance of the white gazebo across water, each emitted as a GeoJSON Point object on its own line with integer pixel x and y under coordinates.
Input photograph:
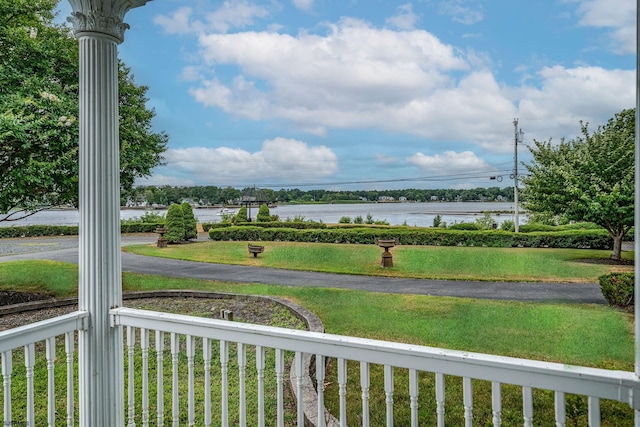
{"type": "Point", "coordinates": [101, 320]}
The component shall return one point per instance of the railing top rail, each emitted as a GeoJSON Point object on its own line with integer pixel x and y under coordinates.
{"type": "Point", "coordinates": [607, 384]}
{"type": "Point", "coordinates": [38, 331]}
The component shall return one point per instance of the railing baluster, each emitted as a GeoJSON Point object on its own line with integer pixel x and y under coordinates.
{"type": "Point", "coordinates": [224, 369]}
{"type": "Point", "coordinates": [50, 354]}
{"type": "Point", "coordinates": [440, 399]}
{"type": "Point", "coordinates": [299, 390]}
{"type": "Point", "coordinates": [191, 410]}
{"type": "Point", "coordinates": [560, 409]}
{"type": "Point", "coordinates": [320, 374]}
{"type": "Point", "coordinates": [594, 412]}
{"type": "Point", "coordinates": [279, 386]}
{"type": "Point", "coordinates": [413, 393]}
{"type": "Point", "coordinates": [388, 392]}
{"type": "Point", "coordinates": [29, 363]}
{"type": "Point", "coordinates": [7, 369]}
{"type": "Point", "coordinates": [365, 384]}
{"type": "Point", "coordinates": [131, 336]}
{"type": "Point", "coordinates": [160, 377]}
{"type": "Point", "coordinates": [242, 374]}
{"type": "Point", "coordinates": [527, 406]}
{"type": "Point", "coordinates": [144, 345]}
{"type": "Point", "coordinates": [175, 393]}
{"type": "Point", "coordinates": [69, 349]}
{"type": "Point", "coordinates": [496, 403]}
{"type": "Point", "coordinates": [260, 363]}
{"type": "Point", "coordinates": [342, 390]}
{"type": "Point", "coordinates": [467, 401]}
{"type": "Point", "coordinates": [206, 356]}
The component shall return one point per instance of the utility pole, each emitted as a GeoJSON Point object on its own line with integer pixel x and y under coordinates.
{"type": "Point", "coordinates": [517, 136]}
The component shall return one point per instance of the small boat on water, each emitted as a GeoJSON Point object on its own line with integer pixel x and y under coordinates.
{"type": "Point", "coordinates": [225, 211]}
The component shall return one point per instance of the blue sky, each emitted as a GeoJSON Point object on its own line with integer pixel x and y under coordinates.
{"type": "Point", "coordinates": [373, 94]}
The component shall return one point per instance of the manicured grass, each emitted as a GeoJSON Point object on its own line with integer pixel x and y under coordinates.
{"type": "Point", "coordinates": [590, 335]}
{"type": "Point", "coordinates": [432, 262]}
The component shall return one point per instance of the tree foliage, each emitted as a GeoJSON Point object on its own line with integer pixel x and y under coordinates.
{"type": "Point", "coordinates": [175, 224]}
{"type": "Point", "coordinates": [263, 213]}
{"type": "Point", "coordinates": [589, 179]}
{"type": "Point", "coordinates": [241, 216]}
{"type": "Point", "coordinates": [39, 113]}
{"type": "Point", "coordinates": [190, 222]}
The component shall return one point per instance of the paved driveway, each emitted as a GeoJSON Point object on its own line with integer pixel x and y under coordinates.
{"type": "Point", "coordinates": [66, 249]}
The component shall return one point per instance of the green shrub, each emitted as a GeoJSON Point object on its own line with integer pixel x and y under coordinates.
{"type": "Point", "coordinates": [69, 230]}
{"type": "Point", "coordinates": [618, 288]}
{"type": "Point", "coordinates": [537, 226]}
{"type": "Point", "coordinates": [464, 226]}
{"type": "Point", "coordinates": [263, 213]}
{"type": "Point", "coordinates": [190, 222]}
{"type": "Point", "coordinates": [344, 220]}
{"type": "Point", "coordinates": [486, 222]}
{"type": "Point", "coordinates": [417, 236]}
{"type": "Point", "coordinates": [369, 219]}
{"type": "Point", "coordinates": [508, 225]}
{"type": "Point", "coordinates": [437, 221]}
{"type": "Point", "coordinates": [148, 217]}
{"type": "Point", "coordinates": [175, 224]}
{"type": "Point", "coordinates": [241, 216]}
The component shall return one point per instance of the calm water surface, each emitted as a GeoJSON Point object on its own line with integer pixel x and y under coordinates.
{"type": "Point", "coordinates": [413, 214]}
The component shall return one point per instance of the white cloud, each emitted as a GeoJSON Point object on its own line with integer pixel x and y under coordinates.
{"type": "Point", "coordinates": [179, 22]}
{"type": "Point", "coordinates": [450, 163]}
{"type": "Point", "coordinates": [303, 4]}
{"type": "Point", "coordinates": [568, 95]}
{"type": "Point", "coordinates": [356, 76]}
{"type": "Point", "coordinates": [460, 11]}
{"type": "Point", "coordinates": [279, 158]}
{"type": "Point", "coordinates": [232, 14]}
{"type": "Point", "coordinates": [405, 19]}
{"type": "Point", "coordinates": [618, 16]}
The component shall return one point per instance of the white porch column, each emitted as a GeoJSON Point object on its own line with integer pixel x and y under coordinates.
{"type": "Point", "coordinates": [99, 27]}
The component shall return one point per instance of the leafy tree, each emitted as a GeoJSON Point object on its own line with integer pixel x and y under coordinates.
{"type": "Point", "coordinates": [241, 216]}
{"type": "Point", "coordinates": [190, 222]}
{"type": "Point", "coordinates": [263, 213]}
{"type": "Point", "coordinates": [175, 224]}
{"type": "Point", "coordinates": [39, 113]}
{"type": "Point", "coordinates": [589, 179]}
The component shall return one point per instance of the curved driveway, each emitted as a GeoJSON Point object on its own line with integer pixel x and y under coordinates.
{"type": "Point", "coordinates": [66, 249]}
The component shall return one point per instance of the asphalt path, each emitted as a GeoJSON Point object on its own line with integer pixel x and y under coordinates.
{"type": "Point", "coordinates": [65, 249]}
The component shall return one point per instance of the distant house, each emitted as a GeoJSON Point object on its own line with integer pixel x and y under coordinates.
{"type": "Point", "coordinates": [434, 198]}
{"type": "Point", "coordinates": [386, 199]}
{"type": "Point", "coordinates": [402, 199]}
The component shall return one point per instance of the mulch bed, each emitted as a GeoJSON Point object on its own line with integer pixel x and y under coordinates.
{"type": "Point", "coordinates": [12, 297]}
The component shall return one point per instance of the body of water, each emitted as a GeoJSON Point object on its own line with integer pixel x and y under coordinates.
{"type": "Point", "coordinates": [413, 214]}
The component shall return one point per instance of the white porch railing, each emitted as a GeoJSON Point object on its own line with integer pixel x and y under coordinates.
{"type": "Point", "coordinates": [27, 337]}
{"type": "Point", "coordinates": [184, 382]}
{"type": "Point", "coordinates": [562, 379]}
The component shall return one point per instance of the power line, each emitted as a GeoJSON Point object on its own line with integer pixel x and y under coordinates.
{"type": "Point", "coordinates": [433, 178]}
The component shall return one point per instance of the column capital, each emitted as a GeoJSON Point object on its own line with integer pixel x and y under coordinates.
{"type": "Point", "coordinates": [102, 16]}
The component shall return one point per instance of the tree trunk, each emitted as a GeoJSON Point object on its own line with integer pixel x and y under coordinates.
{"type": "Point", "coordinates": [617, 247]}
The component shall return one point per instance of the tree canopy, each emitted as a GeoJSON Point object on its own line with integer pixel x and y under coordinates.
{"type": "Point", "coordinates": [590, 178]}
{"type": "Point", "coordinates": [39, 113]}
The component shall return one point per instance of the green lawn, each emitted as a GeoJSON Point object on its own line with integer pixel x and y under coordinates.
{"type": "Point", "coordinates": [589, 335]}
{"type": "Point", "coordinates": [432, 262]}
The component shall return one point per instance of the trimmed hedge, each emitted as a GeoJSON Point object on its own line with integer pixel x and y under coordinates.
{"type": "Point", "coordinates": [271, 224]}
{"type": "Point", "coordinates": [419, 236]}
{"type": "Point", "coordinates": [618, 288]}
{"type": "Point", "coordinates": [68, 230]}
